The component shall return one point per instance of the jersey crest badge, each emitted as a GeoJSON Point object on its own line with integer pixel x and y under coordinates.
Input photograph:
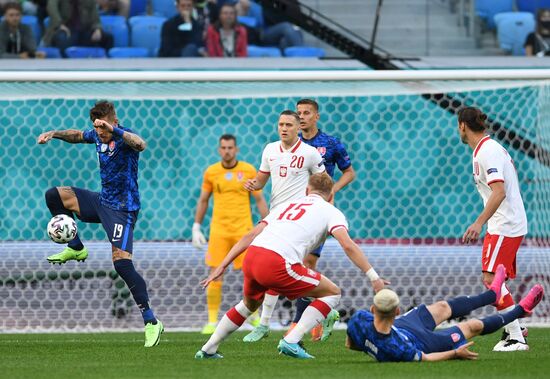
{"type": "Point", "coordinates": [240, 176]}
{"type": "Point", "coordinates": [103, 147]}
{"type": "Point", "coordinates": [112, 145]}
{"type": "Point", "coordinates": [322, 150]}
{"type": "Point", "coordinates": [282, 171]}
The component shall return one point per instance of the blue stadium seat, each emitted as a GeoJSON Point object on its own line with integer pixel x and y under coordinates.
{"type": "Point", "coordinates": [256, 11]}
{"type": "Point", "coordinates": [512, 30]}
{"type": "Point", "coordinates": [51, 52]}
{"type": "Point", "coordinates": [304, 51]}
{"type": "Point", "coordinates": [532, 5]}
{"type": "Point", "coordinates": [263, 51]}
{"type": "Point", "coordinates": [137, 8]}
{"type": "Point", "coordinates": [116, 25]}
{"type": "Point", "coordinates": [146, 31]}
{"type": "Point", "coordinates": [129, 52]}
{"type": "Point", "coordinates": [164, 8]}
{"type": "Point", "coordinates": [77, 52]}
{"type": "Point", "coordinates": [487, 9]}
{"type": "Point", "coordinates": [251, 22]}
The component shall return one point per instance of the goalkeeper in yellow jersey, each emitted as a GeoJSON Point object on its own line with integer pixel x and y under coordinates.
{"type": "Point", "coordinates": [231, 216]}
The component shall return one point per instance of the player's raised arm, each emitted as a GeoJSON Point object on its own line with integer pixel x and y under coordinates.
{"type": "Point", "coordinates": [355, 254]}
{"type": "Point", "coordinates": [133, 140]}
{"type": "Point", "coordinates": [70, 136]}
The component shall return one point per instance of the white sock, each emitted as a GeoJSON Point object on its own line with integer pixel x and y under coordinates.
{"type": "Point", "coordinates": [226, 326]}
{"type": "Point", "coordinates": [311, 317]}
{"type": "Point", "coordinates": [268, 307]}
{"type": "Point", "coordinates": [513, 328]}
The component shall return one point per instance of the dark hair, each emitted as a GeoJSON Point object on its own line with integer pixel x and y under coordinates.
{"type": "Point", "coordinates": [311, 102]}
{"type": "Point", "coordinates": [218, 24]}
{"type": "Point", "coordinates": [102, 109]}
{"type": "Point", "coordinates": [288, 112]}
{"type": "Point", "coordinates": [473, 118]}
{"type": "Point", "coordinates": [228, 137]}
{"type": "Point", "coordinates": [13, 5]}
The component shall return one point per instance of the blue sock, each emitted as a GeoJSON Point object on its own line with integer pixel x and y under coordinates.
{"type": "Point", "coordinates": [463, 305]}
{"type": "Point", "coordinates": [55, 205]}
{"type": "Point", "coordinates": [301, 305]}
{"type": "Point", "coordinates": [493, 323]}
{"type": "Point", "coordinates": [125, 268]}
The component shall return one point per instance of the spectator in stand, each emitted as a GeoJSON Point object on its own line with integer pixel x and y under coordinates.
{"type": "Point", "coordinates": [16, 39]}
{"type": "Point", "coordinates": [75, 23]}
{"type": "Point", "coordinates": [114, 7]}
{"type": "Point", "coordinates": [182, 35]}
{"type": "Point", "coordinates": [226, 38]}
{"type": "Point", "coordinates": [538, 42]}
{"type": "Point", "coordinates": [206, 12]}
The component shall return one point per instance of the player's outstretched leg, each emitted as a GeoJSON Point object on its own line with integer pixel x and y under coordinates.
{"type": "Point", "coordinates": [75, 249]}
{"type": "Point", "coordinates": [230, 322]}
{"type": "Point", "coordinates": [262, 330]}
{"type": "Point", "coordinates": [153, 327]}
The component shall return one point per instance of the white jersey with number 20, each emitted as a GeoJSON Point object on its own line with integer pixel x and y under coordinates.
{"type": "Point", "coordinates": [290, 170]}
{"type": "Point", "coordinates": [298, 227]}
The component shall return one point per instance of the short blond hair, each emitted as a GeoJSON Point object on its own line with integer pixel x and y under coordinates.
{"type": "Point", "coordinates": [321, 183]}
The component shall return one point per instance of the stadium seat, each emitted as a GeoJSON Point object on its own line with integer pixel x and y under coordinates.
{"type": "Point", "coordinates": [251, 22]}
{"type": "Point", "coordinates": [263, 51]}
{"type": "Point", "coordinates": [255, 11]}
{"type": "Point", "coordinates": [164, 8]}
{"type": "Point", "coordinates": [116, 25]}
{"type": "Point", "coordinates": [129, 52]}
{"type": "Point", "coordinates": [532, 5]}
{"type": "Point", "coordinates": [145, 31]}
{"type": "Point", "coordinates": [304, 51]}
{"type": "Point", "coordinates": [512, 30]}
{"type": "Point", "coordinates": [51, 52]}
{"type": "Point", "coordinates": [487, 9]}
{"type": "Point", "coordinates": [77, 52]}
{"type": "Point", "coordinates": [137, 8]}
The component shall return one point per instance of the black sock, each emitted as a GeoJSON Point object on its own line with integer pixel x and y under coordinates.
{"type": "Point", "coordinates": [301, 305]}
{"type": "Point", "coordinates": [125, 268]}
{"type": "Point", "coordinates": [55, 205]}
{"type": "Point", "coordinates": [493, 323]}
{"type": "Point", "coordinates": [463, 305]}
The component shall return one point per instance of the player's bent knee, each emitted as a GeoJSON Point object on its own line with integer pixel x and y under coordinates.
{"type": "Point", "coordinates": [251, 304]}
{"type": "Point", "coordinates": [476, 327]}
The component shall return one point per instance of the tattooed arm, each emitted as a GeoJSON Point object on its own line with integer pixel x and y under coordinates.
{"type": "Point", "coordinates": [133, 140]}
{"type": "Point", "coordinates": [71, 136]}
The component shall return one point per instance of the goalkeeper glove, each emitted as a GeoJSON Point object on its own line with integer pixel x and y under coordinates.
{"type": "Point", "coordinates": [197, 239]}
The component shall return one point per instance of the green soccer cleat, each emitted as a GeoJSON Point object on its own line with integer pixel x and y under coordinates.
{"type": "Point", "coordinates": [294, 350]}
{"type": "Point", "coordinates": [203, 355]}
{"type": "Point", "coordinates": [69, 254]}
{"type": "Point", "coordinates": [328, 324]}
{"type": "Point", "coordinates": [259, 332]}
{"type": "Point", "coordinates": [209, 328]}
{"type": "Point", "coordinates": [152, 333]}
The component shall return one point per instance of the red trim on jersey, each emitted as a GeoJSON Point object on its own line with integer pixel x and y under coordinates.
{"type": "Point", "coordinates": [494, 181]}
{"type": "Point", "coordinates": [480, 143]}
{"type": "Point", "coordinates": [281, 147]}
{"type": "Point", "coordinates": [235, 317]}
{"type": "Point", "coordinates": [265, 172]}
{"type": "Point", "coordinates": [335, 227]}
{"type": "Point", "coordinates": [297, 146]}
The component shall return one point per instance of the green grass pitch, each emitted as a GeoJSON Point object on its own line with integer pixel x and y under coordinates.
{"type": "Point", "coordinates": [121, 355]}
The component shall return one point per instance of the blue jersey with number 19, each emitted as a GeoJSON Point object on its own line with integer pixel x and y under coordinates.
{"type": "Point", "coordinates": [332, 150]}
{"type": "Point", "coordinates": [118, 168]}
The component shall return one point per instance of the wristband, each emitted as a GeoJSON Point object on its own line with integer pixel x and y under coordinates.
{"type": "Point", "coordinates": [196, 226]}
{"type": "Point", "coordinates": [117, 131]}
{"type": "Point", "coordinates": [372, 274]}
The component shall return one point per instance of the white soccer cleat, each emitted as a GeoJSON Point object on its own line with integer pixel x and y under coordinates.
{"type": "Point", "coordinates": [511, 345]}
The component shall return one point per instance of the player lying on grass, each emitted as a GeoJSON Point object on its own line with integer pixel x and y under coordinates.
{"type": "Point", "coordinates": [411, 337]}
{"type": "Point", "coordinates": [276, 250]}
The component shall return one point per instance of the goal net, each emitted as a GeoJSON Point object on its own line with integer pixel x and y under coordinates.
{"type": "Point", "coordinates": [412, 199]}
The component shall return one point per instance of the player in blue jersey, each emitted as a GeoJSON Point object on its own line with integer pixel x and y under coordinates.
{"type": "Point", "coordinates": [334, 154]}
{"type": "Point", "coordinates": [116, 207]}
{"type": "Point", "coordinates": [412, 337]}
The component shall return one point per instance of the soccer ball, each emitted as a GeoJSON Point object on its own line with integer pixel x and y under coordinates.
{"type": "Point", "coordinates": [62, 229]}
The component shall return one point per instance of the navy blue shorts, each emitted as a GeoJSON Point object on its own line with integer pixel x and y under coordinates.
{"type": "Point", "coordinates": [317, 252]}
{"type": "Point", "coordinates": [119, 225]}
{"type": "Point", "coordinates": [420, 323]}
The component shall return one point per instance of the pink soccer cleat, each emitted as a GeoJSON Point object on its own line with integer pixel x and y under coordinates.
{"type": "Point", "coordinates": [532, 299]}
{"type": "Point", "coordinates": [498, 280]}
